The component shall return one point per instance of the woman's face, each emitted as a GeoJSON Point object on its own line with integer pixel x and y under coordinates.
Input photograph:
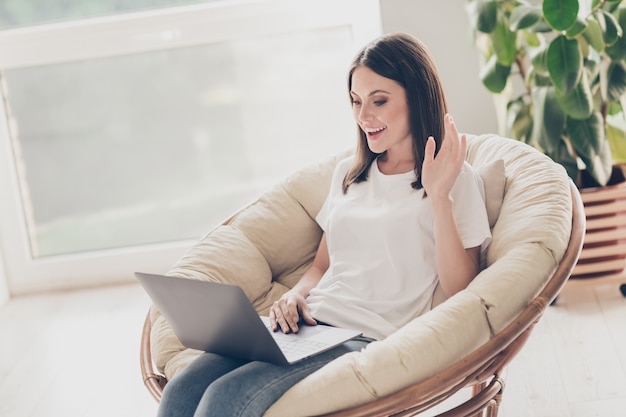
{"type": "Point", "coordinates": [380, 108]}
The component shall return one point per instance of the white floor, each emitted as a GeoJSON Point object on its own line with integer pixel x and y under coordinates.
{"type": "Point", "coordinates": [574, 364]}
{"type": "Point", "coordinates": [77, 354]}
{"type": "Point", "coordinates": [74, 354]}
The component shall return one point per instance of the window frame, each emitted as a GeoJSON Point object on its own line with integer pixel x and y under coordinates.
{"type": "Point", "coordinates": [123, 34]}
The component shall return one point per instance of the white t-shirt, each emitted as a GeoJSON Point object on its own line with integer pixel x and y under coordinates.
{"type": "Point", "coordinates": [382, 271]}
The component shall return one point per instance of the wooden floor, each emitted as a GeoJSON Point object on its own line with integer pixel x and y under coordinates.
{"type": "Point", "coordinates": [76, 354]}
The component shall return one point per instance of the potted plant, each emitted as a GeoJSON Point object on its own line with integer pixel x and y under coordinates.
{"type": "Point", "coordinates": [557, 69]}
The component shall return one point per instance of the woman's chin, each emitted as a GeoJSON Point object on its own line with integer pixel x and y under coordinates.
{"type": "Point", "coordinates": [375, 146]}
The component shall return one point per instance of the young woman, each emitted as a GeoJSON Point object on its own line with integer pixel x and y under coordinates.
{"type": "Point", "coordinates": [403, 215]}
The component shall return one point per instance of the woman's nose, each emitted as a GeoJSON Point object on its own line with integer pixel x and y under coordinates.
{"type": "Point", "coordinates": [365, 113]}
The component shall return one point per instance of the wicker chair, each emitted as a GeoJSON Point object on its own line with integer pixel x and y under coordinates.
{"type": "Point", "coordinates": [482, 368]}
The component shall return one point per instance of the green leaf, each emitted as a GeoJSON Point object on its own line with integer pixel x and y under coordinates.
{"type": "Point", "coordinates": [519, 120]}
{"type": "Point", "coordinates": [577, 104]}
{"type": "Point", "coordinates": [616, 135]}
{"type": "Point", "coordinates": [525, 16]}
{"type": "Point", "coordinates": [593, 35]}
{"type": "Point", "coordinates": [483, 15]}
{"type": "Point", "coordinates": [503, 41]}
{"type": "Point", "coordinates": [612, 30]}
{"type": "Point", "coordinates": [541, 27]}
{"type": "Point", "coordinates": [611, 5]}
{"type": "Point", "coordinates": [615, 109]}
{"type": "Point", "coordinates": [560, 14]}
{"type": "Point", "coordinates": [494, 76]}
{"type": "Point", "coordinates": [576, 29]}
{"type": "Point", "coordinates": [564, 157]}
{"type": "Point", "coordinates": [531, 38]}
{"type": "Point", "coordinates": [601, 165]}
{"type": "Point", "coordinates": [587, 137]}
{"type": "Point", "coordinates": [539, 59]}
{"type": "Point", "coordinates": [584, 45]}
{"type": "Point", "coordinates": [616, 81]}
{"type": "Point", "coordinates": [617, 51]}
{"type": "Point", "coordinates": [548, 119]}
{"type": "Point", "coordinates": [617, 143]}
{"type": "Point", "coordinates": [537, 80]}
{"type": "Point", "coordinates": [565, 63]}
{"type": "Point", "coordinates": [592, 67]}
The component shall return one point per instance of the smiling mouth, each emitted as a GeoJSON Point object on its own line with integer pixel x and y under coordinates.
{"type": "Point", "coordinates": [374, 133]}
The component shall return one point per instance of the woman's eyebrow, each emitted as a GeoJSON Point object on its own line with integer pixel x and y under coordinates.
{"type": "Point", "coordinates": [373, 93]}
{"type": "Point", "coordinates": [378, 92]}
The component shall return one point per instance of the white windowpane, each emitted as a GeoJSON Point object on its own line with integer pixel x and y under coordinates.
{"type": "Point", "coordinates": [161, 146]}
{"type": "Point", "coordinates": [17, 13]}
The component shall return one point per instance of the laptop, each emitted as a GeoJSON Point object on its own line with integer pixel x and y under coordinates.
{"type": "Point", "coordinates": [219, 318]}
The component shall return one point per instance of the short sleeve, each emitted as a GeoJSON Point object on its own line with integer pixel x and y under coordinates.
{"type": "Point", "coordinates": [470, 211]}
{"type": "Point", "coordinates": [322, 216]}
{"type": "Point", "coordinates": [336, 185]}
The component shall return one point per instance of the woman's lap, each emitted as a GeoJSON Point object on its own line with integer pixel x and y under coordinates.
{"type": "Point", "coordinates": [183, 392]}
{"type": "Point", "coordinates": [214, 385]}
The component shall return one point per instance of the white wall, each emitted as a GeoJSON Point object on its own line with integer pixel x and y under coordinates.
{"type": "Point", "coordinates": [443, 26]}
{"type": "Point", "coordinates": [4, 290]}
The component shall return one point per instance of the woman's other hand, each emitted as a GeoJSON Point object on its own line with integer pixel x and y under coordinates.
{"type": "Point", "coordinates": [285, 313]}
{"type": "Point", "coordinates": [439, 173]}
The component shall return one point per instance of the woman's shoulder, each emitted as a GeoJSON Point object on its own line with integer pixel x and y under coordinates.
{"type": "Point", "coordinates": [342, 167]}
{"type": "Point", "coordinates": [346, 162]}
{"type": "Point", "coordinates": [469, 172]}
{"type": "Point", "coordinates": [469, 179]}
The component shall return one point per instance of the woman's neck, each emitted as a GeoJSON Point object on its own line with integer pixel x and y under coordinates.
{"type": "Point", "coordinates": [392, 166]}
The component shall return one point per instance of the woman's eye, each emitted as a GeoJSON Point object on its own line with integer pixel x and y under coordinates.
{"type": "Point", "coordinates": [380, 102]}
{"type": "Point", "coordinates": [356, 102]}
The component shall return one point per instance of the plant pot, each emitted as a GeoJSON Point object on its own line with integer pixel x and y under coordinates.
{"type": "Point", "coordinates": [604, 249]}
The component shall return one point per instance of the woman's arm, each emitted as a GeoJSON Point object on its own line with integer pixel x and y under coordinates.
{"type": "Point", "coordinates": [456, 266]}
{"type": "Point", "coordinates": [286, 311]}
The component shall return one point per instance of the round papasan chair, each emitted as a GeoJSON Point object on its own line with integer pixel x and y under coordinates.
{"type": "Point", "coordinates": [465, 341]}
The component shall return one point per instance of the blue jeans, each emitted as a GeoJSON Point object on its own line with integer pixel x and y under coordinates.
{"type": "Point", "coordinates": [219, 386]}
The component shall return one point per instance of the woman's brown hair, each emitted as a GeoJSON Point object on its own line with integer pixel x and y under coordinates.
{"type": "Point", "coordinates": [405, 60]}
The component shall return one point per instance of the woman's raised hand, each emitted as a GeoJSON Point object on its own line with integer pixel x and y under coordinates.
{"type": "Point", "coordinates": [439, 173]}
{"type": "Point", "coordinates": [286, 311]}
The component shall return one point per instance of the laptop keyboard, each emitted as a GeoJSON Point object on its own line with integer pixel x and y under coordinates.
{"type": "Point", "coordinates": [296, 346]}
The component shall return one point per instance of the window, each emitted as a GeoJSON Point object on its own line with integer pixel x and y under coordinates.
{"type": "Point", "coordinates": [129, 136]}
{"type": "Point", "coordinates": [16, 13]}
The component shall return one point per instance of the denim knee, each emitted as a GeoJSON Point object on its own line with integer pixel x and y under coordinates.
{"type": "Point", "coordinates": [179, 399]}
{"type": "Point", "coordinates": [183, 393]}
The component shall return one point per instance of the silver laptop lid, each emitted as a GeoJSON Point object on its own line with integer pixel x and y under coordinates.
{"type": "Point", "coordinates": [212, 317]}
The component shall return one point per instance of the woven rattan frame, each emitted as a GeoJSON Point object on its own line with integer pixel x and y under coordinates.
{"type": "Point", "coordinates": [482, 370]}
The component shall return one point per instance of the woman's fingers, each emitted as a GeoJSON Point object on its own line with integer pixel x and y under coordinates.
{"type": "Point", "coordinates": [291, 322]}
{"type": "Point", "coordinates": [451, 135]}
{"type": "Point", "coordinates": [439, 173]}
{"type": "Point", "coordinates": [307, 317]}
{"type": "Point", "coordinates": [463, 148]}
{"type": "Point", "coordinates": [456, 144]}
{"type": "Point", "coordinates": [284, 314]}
{"type": "Point", "coordinates": [429, 152]}
{"type": "Point", "coordinates": [281, 317]}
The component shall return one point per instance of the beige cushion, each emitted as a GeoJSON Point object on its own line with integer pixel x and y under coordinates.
{"type": "Point", "coordinates": [266, 247]}
{"type": "Point", "coordinates": [494, 178]}
{"type": "Point", "coordinates": [417, 350]}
